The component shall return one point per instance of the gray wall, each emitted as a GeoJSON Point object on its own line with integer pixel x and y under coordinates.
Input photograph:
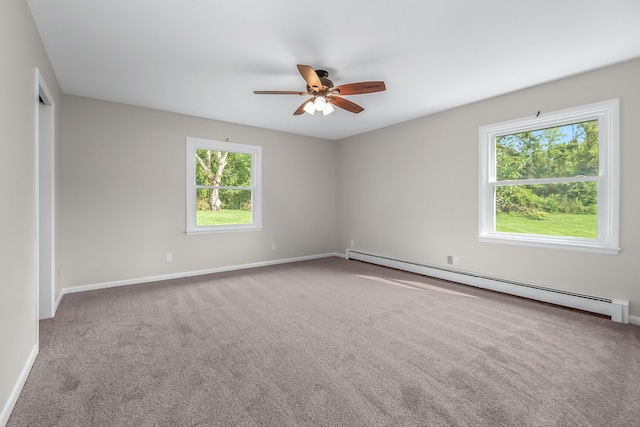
{"type": "Point", "coordinates": [411, 190]}
{"type": "Point", "coordinates": [123, 192]}
{"type": "Point", "coordinates": [21, 51]}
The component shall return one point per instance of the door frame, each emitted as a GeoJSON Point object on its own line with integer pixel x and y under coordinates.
{"type": "Point", "coordinates": [45, 200]}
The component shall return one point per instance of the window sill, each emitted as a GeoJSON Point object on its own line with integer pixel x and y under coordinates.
{"type": "Point", "coordinates": [231, 229]}
{"type": "Point", "coordinates": [550, 243]}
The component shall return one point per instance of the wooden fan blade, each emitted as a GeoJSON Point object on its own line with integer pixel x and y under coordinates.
{"type": "Point", "coordinates": [309, 75]}
{"type": "Point", "coordinates": [279, 92]}
{"type": "Point", "coordinates": [359, 88]}
{"type": "Point", "coordinates": [344, 104]}
{"type": "Point", "coordinates": [300, 109]}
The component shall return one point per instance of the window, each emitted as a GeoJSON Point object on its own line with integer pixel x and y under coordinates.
{"type": "Point", "coordinates": [552, 180]}
{"type": "Point", "coordinates": [223, 186]}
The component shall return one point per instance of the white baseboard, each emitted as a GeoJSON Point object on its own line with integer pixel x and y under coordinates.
{"type": "Point", "coordinates": [618, 310]}
{"type": "Point", "coordinates": [57, 303]}
{"type": "Point", "coordinates": [139, 280]}
{"type": "Point", "coordinates": [17, 388]}
{"type": "Point", "coordinates": [634, 320]}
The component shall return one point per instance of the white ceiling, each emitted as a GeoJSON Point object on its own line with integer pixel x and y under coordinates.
{"type": "Point", "coordinates": [206, 57]}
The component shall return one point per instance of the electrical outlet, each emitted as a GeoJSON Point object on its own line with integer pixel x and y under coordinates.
{"type": "Point", "coordinates": [169, 257]}
{"type": "Point", "coordinates": [453, 260]}
{"type": "Point", "coordinates": [273, 246]}
{"type": "Point", "coordinates": [353, 243]}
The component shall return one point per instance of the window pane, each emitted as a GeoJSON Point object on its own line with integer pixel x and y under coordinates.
{"type": "Point", "coordinates": [567, 209]}
{"type": "Point", "coordinates": [223, 207]}
{"type": "Point", "coordinates": [562, 151]}
{"type": "Point", "coordinates": [222, 168]}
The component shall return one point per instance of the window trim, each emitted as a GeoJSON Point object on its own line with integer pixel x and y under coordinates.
{"type": "Point", "coordinates": [608, 180]}
{"type": "Point", "coordinates": [256, 185]}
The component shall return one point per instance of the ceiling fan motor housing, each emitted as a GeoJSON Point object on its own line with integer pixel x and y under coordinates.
{"type": "Point", "coordinates": [326, 83]}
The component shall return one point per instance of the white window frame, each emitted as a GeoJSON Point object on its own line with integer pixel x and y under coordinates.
{"type": "Point", "coordinates": [192, 145]}
{"type": "Point", "coordinates": [608, 180]}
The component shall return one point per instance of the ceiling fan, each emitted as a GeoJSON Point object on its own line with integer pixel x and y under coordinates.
{"type": "Point", "coordinates": [324, 95]}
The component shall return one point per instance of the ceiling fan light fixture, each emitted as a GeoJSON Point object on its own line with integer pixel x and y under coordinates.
{"type": "Point", "coordinates": [320, 103]}
{"type": "Point", "coordinates": [328, 109]}
{"type": "Point", "coordinates": [309, 108]}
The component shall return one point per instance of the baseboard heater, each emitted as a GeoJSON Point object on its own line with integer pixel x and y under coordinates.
{"type": "Point", "coordinates": [618, 310]}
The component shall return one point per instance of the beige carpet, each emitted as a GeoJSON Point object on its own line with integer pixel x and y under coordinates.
{"type": "Point", "coordinates": [327, 342]}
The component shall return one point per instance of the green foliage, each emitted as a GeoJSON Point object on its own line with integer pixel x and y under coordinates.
{"type": "Point", "coordinates": [537, 215]}
{"type": "Point", "coordinates": [236, 199]}
{"type": "Point", "coordinates": [557, 152]}
{"type": "Point", "coordinates": [563, 151]}
{"type": "Point", "coordinates": [520, 200]}
{"type": "Point", "coordinates": [202, 201]}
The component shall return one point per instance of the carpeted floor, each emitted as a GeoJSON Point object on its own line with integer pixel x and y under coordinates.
{"type": "Point", "coordinates": [327, 342]}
